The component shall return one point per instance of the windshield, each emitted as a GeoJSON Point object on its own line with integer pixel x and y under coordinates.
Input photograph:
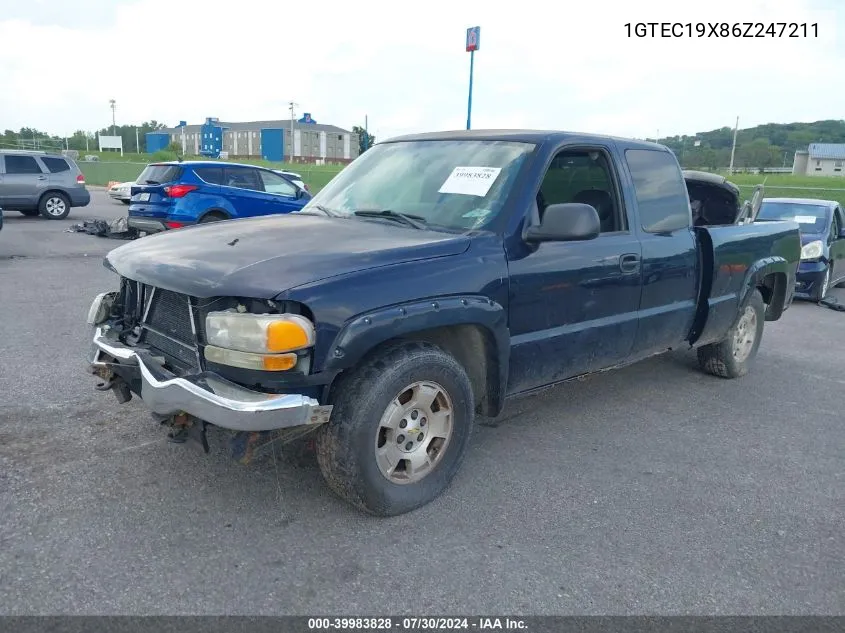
{"type": "Point", "coordinates": [812, 218]}
{"type": "Point", "coordinates": [458, 185]}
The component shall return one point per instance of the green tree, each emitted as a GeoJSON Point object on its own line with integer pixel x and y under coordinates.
{"type": "Point", "coordinates": [365, 139]}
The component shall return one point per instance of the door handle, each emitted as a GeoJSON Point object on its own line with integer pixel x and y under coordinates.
{"type": "Point", "coordinates": [42, 177]}
{"type": "Point", "coordinates": [629, 262]}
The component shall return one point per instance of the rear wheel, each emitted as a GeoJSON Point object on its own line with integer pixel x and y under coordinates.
{"type": "Point", "coordinates": [213, 216]}
{"type": "Point", "coordinates": [30, 213]}
{"type": "Point", "coordinates": [54, 206]}
{"type": "Point", "coordinates": [399, 429]}
{"type": "Point", "coordinates": [732, 357]}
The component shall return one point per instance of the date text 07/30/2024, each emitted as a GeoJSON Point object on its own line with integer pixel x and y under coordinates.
{"type": "Point", "coordinates": [416, 624]}
{"type": "Point", "coordinates": [722, 29]}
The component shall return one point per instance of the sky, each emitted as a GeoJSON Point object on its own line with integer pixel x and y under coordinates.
{"type": "Point", "coordinates": [541, 64]}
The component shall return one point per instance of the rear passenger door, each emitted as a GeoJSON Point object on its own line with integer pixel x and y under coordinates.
{"type": "Point", "coordinates": [23, 181]}
{"type": "Point", "coordinates": [61, 175]}
{"type": "Point", "coordinates": [669, 254]}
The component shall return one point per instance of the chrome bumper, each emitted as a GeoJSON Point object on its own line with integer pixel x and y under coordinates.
{"type": "Point", "coordinates": [206, 396]}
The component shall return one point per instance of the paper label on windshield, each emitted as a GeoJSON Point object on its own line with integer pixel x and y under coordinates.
{"type": "Point", "coordinates": [805, 219]}
{"type": "Point", "coordinates": [471, 181]}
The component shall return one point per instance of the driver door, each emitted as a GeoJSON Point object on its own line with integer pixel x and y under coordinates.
{"type": "Point", "coordinates": [574, 305]}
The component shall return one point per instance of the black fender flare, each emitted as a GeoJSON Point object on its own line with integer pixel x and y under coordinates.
{"type": "Point", "coordinates": [365, 332]}
{"type": "Point", "coordinates": [781, 292]}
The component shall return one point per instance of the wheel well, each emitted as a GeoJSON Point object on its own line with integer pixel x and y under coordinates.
{"type": "Point", "coordinates": [773, 289]}
{"type": "Point", "coordinates": [53, 191]}
{"type": "Point", "coordinates": [219, 212]}
{"type": "Point", "coordinates": [474, 347]}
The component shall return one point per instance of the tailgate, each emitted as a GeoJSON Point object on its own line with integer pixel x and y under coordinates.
{"type": "Point", "coordinates": [147, 195]}
{"type": "Point", "coordinates": [734, 260]}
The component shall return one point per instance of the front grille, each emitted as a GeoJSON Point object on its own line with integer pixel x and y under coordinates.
{"type": "Point", "coordinates": [170, 314]}
{"type": "Point", "coordinates": [167, 322]}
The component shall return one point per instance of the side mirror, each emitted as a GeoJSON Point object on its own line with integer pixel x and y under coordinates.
{"type": "Point", "coordinates": [842, 234]}
{"type": "Point", "coordinates": [568, 222]}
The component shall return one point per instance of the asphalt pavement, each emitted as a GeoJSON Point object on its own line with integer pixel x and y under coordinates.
{"type": "Point", "coordinates": [654, 489]}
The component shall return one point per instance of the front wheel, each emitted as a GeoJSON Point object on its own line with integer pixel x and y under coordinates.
{"type": "Point", "coordinates": [399, 429]}
{"type": "Point", "coordinates": [732, 357]}
{"type": "Point", "coordinates": [823, 286]}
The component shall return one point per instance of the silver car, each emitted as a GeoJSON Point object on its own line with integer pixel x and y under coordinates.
{"type": "Point", "coordinates": [41, 183]}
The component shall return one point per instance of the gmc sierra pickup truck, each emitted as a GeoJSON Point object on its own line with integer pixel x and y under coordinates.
{"type": "Point", "coordinates": [432, 279]}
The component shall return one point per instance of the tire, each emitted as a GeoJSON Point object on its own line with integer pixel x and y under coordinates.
{"type": "Point", "coordinates": [822, 288]}
{"type": "Point", "coordinates": [30, 213]}
{"type": "Point", "coordinates": [367, 400]}
{"type": "Point", "coordinates": [732, 357]}
{"type": "Point", "coordinates": [54, 205]}
{"type": "Point", "coordinates": [212, 216]}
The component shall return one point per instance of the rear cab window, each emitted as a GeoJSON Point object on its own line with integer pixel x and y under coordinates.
{"type": "Point", "coordinates": [54, 164]}
{"type": "Point", "coordinates": [22, 165]}
{"type": "Point", "coordinates": [661, 192]}
{"type": "Point", "coordinates": [159, 174]}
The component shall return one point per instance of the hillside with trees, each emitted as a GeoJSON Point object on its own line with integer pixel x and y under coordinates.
{"type": "Point", "coordinates": [770, 145]}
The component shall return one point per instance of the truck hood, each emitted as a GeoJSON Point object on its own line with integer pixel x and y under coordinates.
{"type": "Point", "coordinates": [262, 257]}
{"type": "Point", "coordinates": [806, 238]}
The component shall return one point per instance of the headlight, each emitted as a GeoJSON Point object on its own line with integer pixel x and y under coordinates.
{"type": "Point", "coordinates": [101, 308]}
{"type": "Point", "coordinates": [259, 333]}
{"type": "Point", "coordinates": [812, 250]}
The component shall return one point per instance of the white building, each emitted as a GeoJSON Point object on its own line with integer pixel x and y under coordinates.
{"type": "Point", "coordinates": [820, 159]}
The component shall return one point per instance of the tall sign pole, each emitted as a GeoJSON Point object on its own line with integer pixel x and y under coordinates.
{"type": "Point", "coordinates": [473, 38]}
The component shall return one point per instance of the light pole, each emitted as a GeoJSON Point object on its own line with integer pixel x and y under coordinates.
{"type": "Point", "coordinates": [473, 39]}
{"type": "Point", "coordinates": [733, 147]}
{"type": "Point", "coordinates": [113, 105]}
{"type": "Point", "coordinates": [291, 104]}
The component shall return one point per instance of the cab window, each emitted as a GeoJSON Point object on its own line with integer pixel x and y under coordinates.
{"type": "Point", "coordinates": [583, 176]}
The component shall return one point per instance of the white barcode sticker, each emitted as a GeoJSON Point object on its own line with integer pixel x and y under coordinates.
{"type": "Point", "coordinates": [471, 181]}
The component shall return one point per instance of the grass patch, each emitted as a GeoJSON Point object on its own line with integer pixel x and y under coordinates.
{"type": "Point", "coordinates": [789, 186]}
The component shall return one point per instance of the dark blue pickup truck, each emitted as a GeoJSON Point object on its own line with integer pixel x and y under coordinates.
{"type": "Point", "coordinates": [434, 278]}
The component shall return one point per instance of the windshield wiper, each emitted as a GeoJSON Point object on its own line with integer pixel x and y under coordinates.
{"type": "Point", "coordinates": [415, 221]}
{"type": "Point", "coordinates": [152, 182]}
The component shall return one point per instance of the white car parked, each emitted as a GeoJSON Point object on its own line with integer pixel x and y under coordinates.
{"type": "Point", "coordinates": [121, 191]}
{"type": "Point", "coordinates": [294, 178]}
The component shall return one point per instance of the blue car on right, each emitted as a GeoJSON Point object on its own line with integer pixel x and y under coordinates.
{"type": "Point", "coordinates": [822, 225]}
{"type": "Point", "coordinates": [174, 194]}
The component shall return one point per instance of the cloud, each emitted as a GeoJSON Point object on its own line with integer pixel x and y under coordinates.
{"type": "Point", "coordinates": [541, 64]}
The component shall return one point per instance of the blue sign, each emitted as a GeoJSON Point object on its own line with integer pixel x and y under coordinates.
{"type": "Point", "coordinates": [306, 118]}
{"type": "Point", "coordinates": [183, 123]}
{"type": "Point", "coordinates": [473, 38]}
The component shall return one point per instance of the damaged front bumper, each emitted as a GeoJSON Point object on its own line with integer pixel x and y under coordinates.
{"type": "Point", "coordinates": [205, 396]}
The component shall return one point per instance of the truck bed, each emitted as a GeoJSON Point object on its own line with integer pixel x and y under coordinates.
{"type": "Point", "coordinates": [737, 258]}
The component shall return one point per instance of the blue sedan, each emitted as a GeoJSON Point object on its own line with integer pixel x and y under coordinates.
{"type": "Point", "coordinates": [822, 238]}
